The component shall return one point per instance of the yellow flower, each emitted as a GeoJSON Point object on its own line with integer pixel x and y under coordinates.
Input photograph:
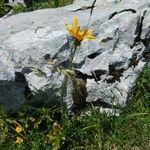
{"type": "Point", "coordinates": [75, 32]}
{"type": "Point", "coordinates": [19, 140]}
{"type": "Point", "coordinates": [18, 129]}
{"type": "Point", "coordinates": [56, 126]}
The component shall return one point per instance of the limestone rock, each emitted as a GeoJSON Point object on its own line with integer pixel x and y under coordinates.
{"type": "Point", "coordinates": [32, 42]}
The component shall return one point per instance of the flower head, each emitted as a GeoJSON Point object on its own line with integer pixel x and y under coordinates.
{"type": "Point", "coordinates": [75, 32]}
{"type": "Point", "coordinates": [56, 127]}
{"type": "Point", "coordinates": [18, 129]}
{"type": "Point", "coordinates": [19, 140]}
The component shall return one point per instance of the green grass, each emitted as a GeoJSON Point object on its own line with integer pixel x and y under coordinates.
{"type": "Point", "coordinates": [36, 4]}
{"type": "Point", "coordinates": [129, 131]}
{"type": "Point", "coordinates": [41, 4]}
{"type": "Point", "coordinates": [4, 8]}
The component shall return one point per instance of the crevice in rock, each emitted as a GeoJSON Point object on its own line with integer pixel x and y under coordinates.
{"type": "Point", "coordinates": [47, 56]}
{"type": "Point", "coordinates": [63, 64]}
{"type": "Point", "coordinates": [64, 47]}
{"type": "Point", "coordinates": [86, 8]}
{"type": "Point", "coordinates": [91, 56]}
{"type": "Point", "coordinates": [79, 65]}
{"type": "Point", "coordinates": [81, 75]}
{"type": "Point", "coordinates": [146, 42]}
{"type": "Point", "coordinates": [82, 8]}
{"type": "Point", "coordinates": [95, 54]}
{"type": "Point", "coordinates": [116, 42]}
{"type": "Point", "coordinates": [146, 55]}
{"type": "Point", "coordinates": [116, 72]}
{"type": "Point", "coordinates": [96, 74]}
{"type": "Point", "coordinates": [107, 39]}
{"type": "Point", "coordinates": [134, 61]}
{"type": "Point", "coordinates": [92, 7]}
{"type": "Point", "coordinates": [19, 77]}
{"type": "Point", "coordinates": [115, 13]}
{"type": "Point", "coordinates": [138, 31]}
{"type": "Point", "coordinates": [26, 70]}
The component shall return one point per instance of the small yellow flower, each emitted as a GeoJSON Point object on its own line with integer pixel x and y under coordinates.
{"type": "Point", "coordinates": [56, 126]}
{"type": "Point", "coordinates": [18, 129]}
{"type": "Point", "coordinates": [19, 140]}
{"type": "Point", "coordinates": [75, 32]}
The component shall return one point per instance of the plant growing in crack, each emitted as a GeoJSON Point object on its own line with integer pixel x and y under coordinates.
{"type": "Point", "coordinates": [79, 92]}
{"type": "Point", "coordinates": [78, 35]}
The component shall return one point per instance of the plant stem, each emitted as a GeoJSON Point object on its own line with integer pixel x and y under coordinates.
{"type": "Point", "coordinates": [73, 51]}
{"type": "Point", "coordinates": [70, 66]}
{"type": "Point", "coordinates": [65, 82]}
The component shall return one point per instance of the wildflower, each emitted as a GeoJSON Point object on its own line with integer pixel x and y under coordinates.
{"type": "Point", "coordinates": [19, 140]}
{"type": "Point", "coordinates": [56, 127]}
{"type": "Point", "coordinates": [18, 129]}
{"type": "Point", "coordinates": [56, 138]}
{"type": "Point", "coordinates": [75, 32]}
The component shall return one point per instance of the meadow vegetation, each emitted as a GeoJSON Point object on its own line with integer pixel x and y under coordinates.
{"type": "Point", "coordinates": [36, 4]}
{"type": "Point", "coordinates": [4, 8]}
{"type": "Point", "coordinates": [40, 4]}
{"type": "Point", "coordinates": [46, 128]}
{"type": "Point", "coordinates": [43, 128]}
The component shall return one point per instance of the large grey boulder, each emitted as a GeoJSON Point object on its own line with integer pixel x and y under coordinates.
{"type": "Point", "coordinates": [34, 43]}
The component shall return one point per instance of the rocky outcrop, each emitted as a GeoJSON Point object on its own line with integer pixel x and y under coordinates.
{"type": "Point", "coordinates": [33, 42]}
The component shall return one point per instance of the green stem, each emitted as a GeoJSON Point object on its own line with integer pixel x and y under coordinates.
{"type": "Point", "coordinates": [73, 51]}
{"type": "Point", "coordinates": [70, 66]}
{"type": "Point", "coordinates": [64, 85]}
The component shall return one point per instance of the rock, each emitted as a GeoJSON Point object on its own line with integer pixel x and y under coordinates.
{"type": "Point", "coordinates": [15, 2]}
{"type": "Point", "coordinates": [37, 43]}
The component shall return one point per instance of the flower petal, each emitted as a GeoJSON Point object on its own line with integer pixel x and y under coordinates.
{"type": "Point", "coordinates": [74, 31]}
{"type": "Point", "coordinates": [69, 28]}
{"type": "Point", "coordinates": [77, 31]}
{"type": "Point", "coordinates": [75, 24]}
{"type": "Point", "coordinates": [89, 32]}
{"type": "Point", "coordinates": [84, 33]}
{"type": "Point", "coordinates": [89, 37]}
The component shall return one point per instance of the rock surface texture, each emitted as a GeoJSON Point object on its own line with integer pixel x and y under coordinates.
{"type": "Point", "coordinates": [32, 42]}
